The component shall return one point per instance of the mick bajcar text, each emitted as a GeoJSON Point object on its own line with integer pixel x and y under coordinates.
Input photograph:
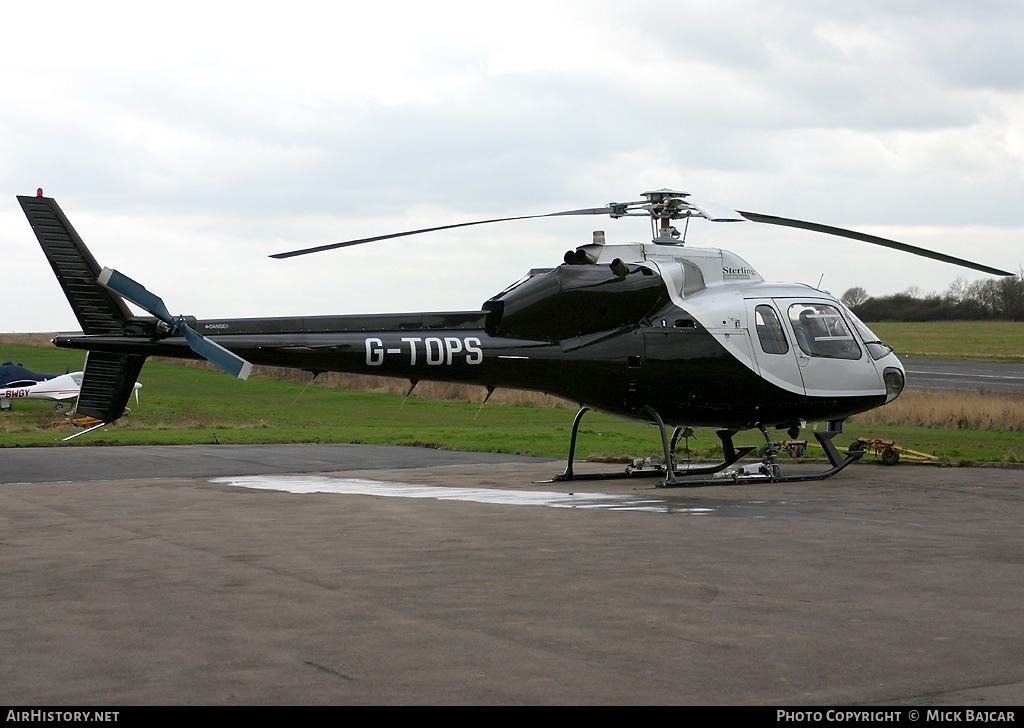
{"type": "Point", "coordinates": [895, 716]}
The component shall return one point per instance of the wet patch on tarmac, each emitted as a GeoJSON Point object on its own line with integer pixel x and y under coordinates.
{"type": "Point", "coordinates": [388, 489]}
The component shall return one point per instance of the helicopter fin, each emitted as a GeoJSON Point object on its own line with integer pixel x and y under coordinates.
{"type": "Point", "coordinates": [97, 309]}
{"type": "Point", "coordinates": [108, 379]}
{"type": "Point", "coordinates": [107, 383]}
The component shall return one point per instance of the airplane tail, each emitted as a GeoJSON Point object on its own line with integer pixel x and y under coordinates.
{"type": "Point", "coordinates": [109, 378]}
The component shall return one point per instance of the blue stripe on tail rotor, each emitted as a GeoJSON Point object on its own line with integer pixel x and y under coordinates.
{"type": "Point", "coordinates": [216, 354]}
{"type": "Point", "coordinates": [213, 352]}
{"type": "Point", "coordinates": [136, 293]}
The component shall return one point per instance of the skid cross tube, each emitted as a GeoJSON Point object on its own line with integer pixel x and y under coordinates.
{"type": "Point", "coordinates": [773, 474]}
{"type": "Point", "coordinates": [771, 471]}
{"type": "Point", "coordinates": [731, 455]}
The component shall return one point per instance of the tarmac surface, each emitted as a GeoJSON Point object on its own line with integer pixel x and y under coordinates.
{"type": "Point", "coordinates": [964, 375]}
{"type": "Point", "coordinates": [364, 575]}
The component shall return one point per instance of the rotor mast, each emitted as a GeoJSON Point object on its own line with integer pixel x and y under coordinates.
{"type": "Point", "coordinates": [664, 206]}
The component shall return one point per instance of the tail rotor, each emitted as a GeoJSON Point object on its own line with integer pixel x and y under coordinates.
{"type": "Point", "coordinates": [210, 350]}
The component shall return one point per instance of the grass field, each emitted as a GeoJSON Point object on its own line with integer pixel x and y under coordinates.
{"type": "Point", "coordinates": [191, 404]}
{"type": "Point", "coordinates": [997, 340]}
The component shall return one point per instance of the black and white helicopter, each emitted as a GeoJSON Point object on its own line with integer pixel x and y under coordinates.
{"type": "Point", "coordinates": [676, 336]}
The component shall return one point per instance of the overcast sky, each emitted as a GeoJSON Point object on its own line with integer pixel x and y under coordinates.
{"type": "Point", "coordinates": [187, 141]}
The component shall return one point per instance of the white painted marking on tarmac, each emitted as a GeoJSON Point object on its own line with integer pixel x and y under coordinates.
{"type": "Point", "coordinates": [1000, 377]}
{"type": "Point", "coordinates": [386, 489]}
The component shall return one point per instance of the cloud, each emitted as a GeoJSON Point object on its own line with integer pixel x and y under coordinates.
{"type": "Point", "coordinates": [191, 140]}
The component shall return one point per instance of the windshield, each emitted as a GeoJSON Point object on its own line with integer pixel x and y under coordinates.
{"type": "Point", "coordinates": [821, 331]}
{"type": "Point", "coordinates": [874, 345]}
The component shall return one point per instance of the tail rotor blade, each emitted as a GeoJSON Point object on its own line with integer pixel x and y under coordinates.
{"type": "Point", "coordinates": [136, 293]}
{"type": "Point", "coordinates": [217, 355]}
{"type": "Point", "coordinates": [213, 352]}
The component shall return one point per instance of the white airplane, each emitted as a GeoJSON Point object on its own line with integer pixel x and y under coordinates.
{"type": "Point", "coordinates": [58, 388]}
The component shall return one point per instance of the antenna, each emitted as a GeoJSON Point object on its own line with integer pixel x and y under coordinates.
{"type": "Point", "coordinates": [490, 391]}
{"type": "Point", "coordinates": [412, 386]}
{"type": "Point", "coordinates": [314, 373]}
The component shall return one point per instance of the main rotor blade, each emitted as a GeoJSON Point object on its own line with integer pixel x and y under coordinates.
{"type": "Point", "coordinates": [865, 238]}
{"type": "Point", "coordinates": [714, 212]}
{"type": "Point", "coordinates": [136, 293]}
{"type": "Point", "coordinates": [331, 246]}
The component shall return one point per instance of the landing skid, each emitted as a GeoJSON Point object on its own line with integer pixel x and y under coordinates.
{"type": "Point", "coordinates": [731, 454]}
{"type": "Point", "coordinates": [767, 471]}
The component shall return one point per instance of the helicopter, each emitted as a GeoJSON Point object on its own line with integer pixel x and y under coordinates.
{"type": "Point", "coordinates": [659, 332]}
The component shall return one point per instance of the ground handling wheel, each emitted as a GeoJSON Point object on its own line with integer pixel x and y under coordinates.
{"type": "Point", "coordinates": [890, 456]}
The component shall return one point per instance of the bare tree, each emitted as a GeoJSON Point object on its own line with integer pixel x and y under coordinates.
{"type": "Point", "coordinates": [957, 291]}
{"type": "Point", "coordinates": [985, 293]}
{"type": "Point", "coordinates": [1011, 292]}
{"type": "Point", "coordinates": [854, 297]}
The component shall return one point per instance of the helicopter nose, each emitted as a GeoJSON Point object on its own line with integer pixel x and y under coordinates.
{"type": "Point", "coordinates": [895, 381]}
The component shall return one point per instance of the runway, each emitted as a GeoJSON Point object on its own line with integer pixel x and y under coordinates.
{"type": "Point", "coordinates": [363, 575]}
{"type": "Point", "coordinates": [964, 375]}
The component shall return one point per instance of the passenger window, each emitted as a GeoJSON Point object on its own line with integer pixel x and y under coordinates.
{"type": "Point", "coordinates": [821, 331]}
{"type": "Point", "coordinates": [769, 330]}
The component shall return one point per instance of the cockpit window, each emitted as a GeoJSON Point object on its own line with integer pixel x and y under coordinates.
{"type": "Point", "coordinates": [821, 331]}
{"type": "Point", "coordinates": [769, 330]}
{"type": "Point", "coordinates": [875, 346]}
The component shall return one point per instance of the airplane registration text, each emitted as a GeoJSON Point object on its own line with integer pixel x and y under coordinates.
{"type": "Point", "coordinates": [432, 350]}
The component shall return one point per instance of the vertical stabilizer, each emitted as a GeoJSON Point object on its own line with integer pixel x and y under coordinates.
{"type": "Point", "coordinates": [107, 384]}
{"type": "Point", "coordinates": [99, 311]}
{"type": "Point", "coordinates": [109, 378]}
